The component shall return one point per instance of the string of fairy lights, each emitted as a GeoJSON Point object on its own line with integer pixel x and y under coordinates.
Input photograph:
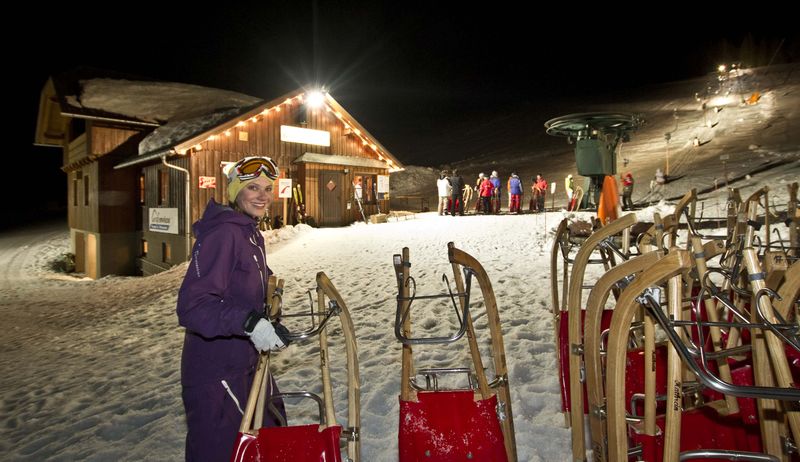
{"type": "Point", "coordinates": [312, 99]}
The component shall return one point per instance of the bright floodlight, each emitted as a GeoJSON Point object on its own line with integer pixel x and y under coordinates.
{"type": "Point", "coordinates": [721, 68]}
{"type": "Point", "coordinates": [315, 99]}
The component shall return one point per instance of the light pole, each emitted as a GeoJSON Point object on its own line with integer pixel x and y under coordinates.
{"type": "Point", "coordinates": [724, 158]}
{"type": "Point", "coordinates": [667, 137]}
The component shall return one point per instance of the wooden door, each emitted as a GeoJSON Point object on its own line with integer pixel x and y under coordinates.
{"type": "Point", "coordinates": [331, 198]}
{"type": "Point", "coordinates": [80, 252]}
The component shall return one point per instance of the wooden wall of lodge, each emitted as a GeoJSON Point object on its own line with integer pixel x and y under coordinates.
{"type": "Point", "coordinates": [264, 139]}
{"type": "Point", "coordinates": [309, 176]}
{"type": "Point", "coordinates": [112, 193]}
{"type": "Point", "coordinates": [176, 197]}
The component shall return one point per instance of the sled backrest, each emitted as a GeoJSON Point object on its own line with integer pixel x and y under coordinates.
{"type": "Point", "coordinates": [300, 443]}
{"type": "Point", "coordinates": [450, 426]}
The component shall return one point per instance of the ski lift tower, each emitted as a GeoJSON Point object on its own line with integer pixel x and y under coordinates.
{"type": "Point", "coordinates": [596, 136]}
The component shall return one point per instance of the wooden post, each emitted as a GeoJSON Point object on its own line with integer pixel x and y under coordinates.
{"type": "Point", "coordinates": [249, 410]}
{"type": "Point", "coordinates": [574, 301]}
{"type": "Point", "coordinates": [673, 264]}
{"type": "Point", "coordinates": [327, 389]}
{"type": "Point", "coordinates": [353, 378]}
{"type": "Point", "coordinates": [407, 368]}
{"type": "Point", "coordinates": [775, 347]}
{"type": "Point", "coordinates": [789, 292]}
{"type": "Point", "coordinates": [672, 423]}
{"type": "Point", "coordinates": [595, 306]}
{"type": "Point", "coordinates": [793, 214]}
{"type": "Point", "coordinates": [477, 362]}
{"type": "Point", "coordinates": [457, 256]}
{"type": "Point", "coordinates": [701, 254]}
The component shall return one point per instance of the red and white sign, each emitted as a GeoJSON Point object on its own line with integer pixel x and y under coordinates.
{"type": "Point", "coordinates": [207, 182]}
{"type": "Point", "coordinates": [285, 188]}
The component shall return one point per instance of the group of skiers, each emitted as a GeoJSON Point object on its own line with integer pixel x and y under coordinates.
{"type": "Point", "coordinates": [455, 196]}
{"type": "Point", "coordinates": [488, 193]}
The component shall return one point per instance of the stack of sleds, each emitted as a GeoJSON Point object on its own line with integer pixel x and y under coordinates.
{"type": "Point", "coordinates": [698, 356]}
{"type": "Point", "coordinates": [437, 422]}
{"type": "Point", "coordinates": [312, 442]}
{"type": "Point", "coordinates": [472, 422]}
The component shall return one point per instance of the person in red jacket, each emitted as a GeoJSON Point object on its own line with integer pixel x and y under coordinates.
{"type": "Point", "coordinates": [627, 191]}
{"type": "Point", "coordinates": [486, 191]}
{"type": "Point", "coordinates": [538, 188]}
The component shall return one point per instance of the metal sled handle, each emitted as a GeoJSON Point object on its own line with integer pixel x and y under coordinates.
{"type": "Point", "coordinates": [434, 372]}
{"type": "Point", "coordinates": [650, 300]}
{"type": "Point", "coordinates": [297, 394]}
{"type": "Point", "coordinates": [401, 315]}
{"type": "Point", "coordinates": [727, 454]}
{"type": "Point", "coordinates": [333, 310]}
{"type": "Point", "coordinates": [695, 232]}
{"type": "Point", "coordinates": [777, 329]}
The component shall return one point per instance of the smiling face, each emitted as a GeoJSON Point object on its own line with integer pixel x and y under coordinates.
{"type": "Point", "coordinates": [256, 197]}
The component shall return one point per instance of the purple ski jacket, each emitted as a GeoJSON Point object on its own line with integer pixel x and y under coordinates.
{"type": "Point", "coordinates": [225, 283]}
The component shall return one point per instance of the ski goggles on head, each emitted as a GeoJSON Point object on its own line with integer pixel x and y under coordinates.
{"type": "Point", "coordinates": [251, 167]}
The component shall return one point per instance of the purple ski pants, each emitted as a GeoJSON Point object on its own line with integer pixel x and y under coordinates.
{"type": "Point", "coordinates": [213, 418]}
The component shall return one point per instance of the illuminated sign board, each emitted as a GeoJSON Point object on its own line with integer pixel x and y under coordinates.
{"type": "Point", "coordinates": [305, 135]}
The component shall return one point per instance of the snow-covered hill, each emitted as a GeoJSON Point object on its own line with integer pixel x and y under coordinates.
{"type": "Point", "coordinates": [752, 136]}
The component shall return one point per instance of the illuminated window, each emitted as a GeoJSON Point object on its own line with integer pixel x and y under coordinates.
{"type": "Point", "coordinates": [144, 248]}
{"type": "Point", "coordinates": [163, 187]}
{"type": "Point", "coordinates": [166, 253]}
{"type": "Point", "coordinates": [141, 188]}
{"type": "Point", "coordinates": [366, 185]}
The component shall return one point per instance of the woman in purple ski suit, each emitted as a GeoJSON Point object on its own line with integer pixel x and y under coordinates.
{"type": "Point", "coordinates": [221, 305]}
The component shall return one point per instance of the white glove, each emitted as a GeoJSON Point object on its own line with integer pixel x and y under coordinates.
{"type": "Point", "coordinates": [265, 338]}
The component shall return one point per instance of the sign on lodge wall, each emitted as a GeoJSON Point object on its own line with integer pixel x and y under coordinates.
{"type": "Point", "coordinates": [163, 220]}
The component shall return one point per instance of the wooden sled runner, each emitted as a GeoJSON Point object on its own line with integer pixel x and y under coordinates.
{"type": "Point", "coordinates": [306, 443]}
{"type": "Point", "coordinates": [471, 423]}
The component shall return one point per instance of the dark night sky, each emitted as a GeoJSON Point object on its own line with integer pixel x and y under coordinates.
{"type": "Point", "coordinates": [407, 71]}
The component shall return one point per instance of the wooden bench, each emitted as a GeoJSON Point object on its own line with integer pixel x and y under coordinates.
{"type": "Point", "coordinates": [401, 214]}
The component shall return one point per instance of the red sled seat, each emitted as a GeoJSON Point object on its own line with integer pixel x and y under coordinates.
{"type": "Point", "coordinates": [702, 428]}
{"type": "Point", "coordinates": [301, 443]}
{"type": "Point", "coordinates": [450, 426]}
{"type": "Point", "coordinates": [563, 356]}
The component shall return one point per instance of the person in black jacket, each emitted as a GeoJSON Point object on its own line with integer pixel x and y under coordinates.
{"type": "Point", "coordinates": [457, 184]}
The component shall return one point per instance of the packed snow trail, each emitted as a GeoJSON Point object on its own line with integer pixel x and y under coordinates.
{"type": "Point", "coordinates": [91, 368]}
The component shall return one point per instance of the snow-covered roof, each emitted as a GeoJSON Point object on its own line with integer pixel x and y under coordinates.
{"type": "Point", "coordinates": [172, 133]}
{"type": "Point", "coordinates": [155, 102]}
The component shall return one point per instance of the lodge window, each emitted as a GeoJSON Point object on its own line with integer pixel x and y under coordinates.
{"type": "Point", "coordinates": [75, 192]}
{"type": "Point", "coordinates": [86, 190]}
{"type": "Point", "coordinates": [367, 185]}
{"type": "Point", "coordinates": [163, 187]}
{"type": "Point", "coordinates": [141, 188]}
{"type": "Point", "coordinates": [166, 253]}
{"type": "Point", "coordinates": [143, 250]}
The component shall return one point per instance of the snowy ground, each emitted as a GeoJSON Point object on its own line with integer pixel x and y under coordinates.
{"type": "Point", "coordinates": [90, 369]}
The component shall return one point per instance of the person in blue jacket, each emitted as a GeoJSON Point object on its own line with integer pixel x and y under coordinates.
{"type": "Point", "coordinates": [515, 190]}
{"type": "Point", "coordinates": [221, 305]}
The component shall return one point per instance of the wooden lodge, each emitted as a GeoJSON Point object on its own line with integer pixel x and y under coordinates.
{"type": "Point", "coordinates": [131, 180]}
